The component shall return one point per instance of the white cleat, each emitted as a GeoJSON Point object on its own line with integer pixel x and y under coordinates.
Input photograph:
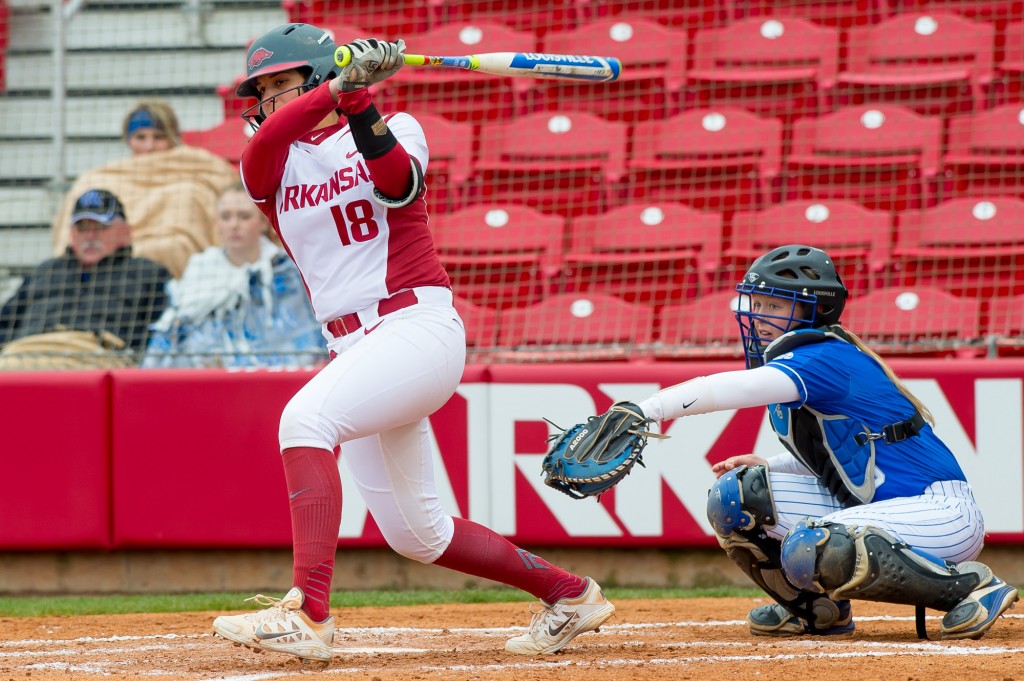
{"type": "Point", "coordinates": [553, 626]}
{"type": "Point", "coordinates": [281, 628]}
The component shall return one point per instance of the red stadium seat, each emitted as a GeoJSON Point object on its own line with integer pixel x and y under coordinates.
{"type": "Point", "coordinates": [722, 159]}
{"type": "Point", "coordinates": [569, 163]}
{"type": "Point", "coordinates": [451, 161]}
{"type": "Point", "coordinates": [396, 19]}
{"type": "Point", "coordinates": [700, 329]}
{"type": "Point", "coordinates": [232, 104]}
{"type": "Point", "coordinates": [1008, 81]}
{"type": "Point", "coordinates": [481, 324]}
{"type": "Point", "coordinates": [935, 64]}
{"type": "Point", "coordinates": [535, 16]}
{"type": "Point", "coordinates": [773, 67]}
{"type": "Point", "coordinates": [918, 321]}
{"type": "Point", "coordinates": [649, 253]}
{"type": "Point", "coordinates": [576, 327]}
{"type": "Point", "coordinates": [842, 14]}
{"type": "Point", "coordinates": [456, 94]}
{"type": "Point", "coordinates": [500, 255]}
{"type": "Point", "coordinates": [653, 63]}
{"type": "Point", "coordinates": [884, 157]}
{"type": "Point", "coordinates": [227, 139]}
{"type": "Point", "coordinates": [1004, 325]}
{"type": "Point", "coordinates": [985, 156]}
{"type": "Point", "coordinates": [999, 13]}
{"type": "Point", "coordinates": [969, 246]}
{"type": "Point", "coordinates": [858, 239]}
{"type": "Point", "coordinates": [680, 14]}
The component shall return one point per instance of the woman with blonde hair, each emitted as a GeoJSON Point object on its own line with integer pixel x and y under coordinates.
{"type": "Point", "coordinates": [239, 303]}
{"type": "Point", "coordinates": [150, 126]}
{"type": "Point", "coordinates": [866, 502]}
{"type": "Point", "coordinates": [168, 188]}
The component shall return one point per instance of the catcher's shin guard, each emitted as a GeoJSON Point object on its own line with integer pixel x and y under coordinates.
{"type": "Point", "coordinates": [739, 505]}
{"type": "Point", "coordinates": [869, 564]}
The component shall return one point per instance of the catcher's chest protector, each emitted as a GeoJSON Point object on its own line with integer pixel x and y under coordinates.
{"type": "Point", "coordinates": [825, 443]}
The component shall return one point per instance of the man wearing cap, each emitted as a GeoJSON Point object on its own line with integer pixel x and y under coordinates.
{"type": "Point", "coordinates": [169, 189]}
{"type": "Point", "coordinates": [96, 286]}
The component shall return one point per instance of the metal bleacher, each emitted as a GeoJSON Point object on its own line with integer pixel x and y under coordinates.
{"type": "Point", "coordinates": [114, 48]}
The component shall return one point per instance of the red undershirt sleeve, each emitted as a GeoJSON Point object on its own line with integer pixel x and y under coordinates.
{"type": "Point", "coordinates": [265, 155]}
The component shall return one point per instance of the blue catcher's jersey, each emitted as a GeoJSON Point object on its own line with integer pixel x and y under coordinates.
{"type": "Point", "coordinates": [849, 393]}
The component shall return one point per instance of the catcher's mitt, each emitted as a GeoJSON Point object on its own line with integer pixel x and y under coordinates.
{"type": "Point", "coordinates": [590, 458]}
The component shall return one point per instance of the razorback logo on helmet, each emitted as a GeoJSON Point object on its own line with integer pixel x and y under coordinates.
{"type": "Point", "coordinates": [258, 57]}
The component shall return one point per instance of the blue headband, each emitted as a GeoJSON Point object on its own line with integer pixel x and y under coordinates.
{"type": "Point", "coordinates": [139, 120]}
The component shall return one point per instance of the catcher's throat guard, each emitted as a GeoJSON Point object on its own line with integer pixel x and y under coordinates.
{"type": "Point", "coordinates": [590, 458]}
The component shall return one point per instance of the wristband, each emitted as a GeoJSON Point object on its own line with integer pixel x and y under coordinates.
{"type": "Point", "coordinates": [371, 134]}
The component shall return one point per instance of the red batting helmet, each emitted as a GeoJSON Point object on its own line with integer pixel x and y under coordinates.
{"type": "Point", "coordinates": [292, 46]}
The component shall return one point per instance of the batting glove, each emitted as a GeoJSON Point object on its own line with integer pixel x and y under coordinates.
{"type": "Point", "coordinates": [371, 62]}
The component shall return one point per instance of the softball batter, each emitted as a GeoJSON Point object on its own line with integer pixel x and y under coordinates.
{"type": "Point", "coordinates": [866, 502]}
{"type": "Point", "coordinates": [343, 188]}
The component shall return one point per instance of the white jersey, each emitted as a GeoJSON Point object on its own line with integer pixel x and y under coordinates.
{"type": "Point", "coordinates": [351, 250]}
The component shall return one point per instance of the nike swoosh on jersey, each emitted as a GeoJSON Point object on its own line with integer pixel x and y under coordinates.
{"type": "Point", "coordinates": [687, 405]}
{"type": "Point", "coordinates": [295, 494]}
{"type": "Point", "coordinates": [351, 153]}
{"type": "Point", "coordinates": [367, 330]}
{"type": "Point", "coordinates": [314, 138]}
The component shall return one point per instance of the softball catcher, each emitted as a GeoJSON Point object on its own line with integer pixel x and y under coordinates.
{"type": "Point", "coordinates": [866, 502]}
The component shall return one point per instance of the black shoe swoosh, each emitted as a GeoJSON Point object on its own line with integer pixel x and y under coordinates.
{"type": "Point", "coordinates": [555, 631]}
{"type": "Point", "coordinates": [270, 636]}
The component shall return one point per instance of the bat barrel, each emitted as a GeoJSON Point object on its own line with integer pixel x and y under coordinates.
{"type": "Point", "coordinates": [521, 64]}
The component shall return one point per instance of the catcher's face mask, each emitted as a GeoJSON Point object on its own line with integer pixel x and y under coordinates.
{"type": "Point", "coordinates": [764, 313]}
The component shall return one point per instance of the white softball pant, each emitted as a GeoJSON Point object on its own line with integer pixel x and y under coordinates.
{"type": "Point", "coordinates": [373, 399]}
{"type": "Point", "coordinates": [945, 520]}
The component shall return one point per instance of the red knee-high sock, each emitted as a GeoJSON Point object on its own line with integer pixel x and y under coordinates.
{"type": "Point", "coordinates": [476, 550]}
{"type": "Point", "coordinates": [314, 496]}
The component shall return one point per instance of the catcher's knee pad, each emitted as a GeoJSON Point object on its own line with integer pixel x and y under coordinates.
{"type": "Point", "coordinates": [741, 500]}
{"type": "Point", "coordinates": [869, 564]}
{"type": "Point", "coordinates": [740, 506]}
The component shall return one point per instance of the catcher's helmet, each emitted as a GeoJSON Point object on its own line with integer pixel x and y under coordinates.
{"type": "Point", "coordinates": [803, 274]}
{"type": "Point", "coordinates": [292, 46]}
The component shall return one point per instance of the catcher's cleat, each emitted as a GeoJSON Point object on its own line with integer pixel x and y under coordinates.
{"type": "Point", "coordinates": [833, 618]}
{"type": "Point", "coordinates": [553, 626]}
{"type": "Point", "coordinates": [281, 628]}
{"type": "Point", "coordinates": [976, 614]}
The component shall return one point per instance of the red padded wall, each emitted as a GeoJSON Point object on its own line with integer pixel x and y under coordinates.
{"type": "Point", "coordinates": [196, 460]}
{"type": "Point", "coordinates": [55, 460]}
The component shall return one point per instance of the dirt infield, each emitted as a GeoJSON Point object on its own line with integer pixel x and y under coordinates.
{"type": "Point", "coordinates": [646, 639]}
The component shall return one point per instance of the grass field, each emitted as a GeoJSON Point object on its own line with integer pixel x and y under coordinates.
{"type": "Point", "coordinates": [40, 606]}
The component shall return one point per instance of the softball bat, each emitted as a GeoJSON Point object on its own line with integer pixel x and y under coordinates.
{"type": "Point", "coordinates": [520, 64]}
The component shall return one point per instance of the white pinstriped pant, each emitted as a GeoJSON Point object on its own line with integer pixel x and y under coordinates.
{"type": "Point", "coordinates": [945, 521]}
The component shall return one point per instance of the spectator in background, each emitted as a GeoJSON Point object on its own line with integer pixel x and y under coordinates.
{"type": "Point", "coordinates": [168, 188]}
{"type": "Point", "coordinates": [151, 126]}
{"type": "Point", "coordinates": [241, 303]}
{"type": "Point", "coordinates": [92, 305]}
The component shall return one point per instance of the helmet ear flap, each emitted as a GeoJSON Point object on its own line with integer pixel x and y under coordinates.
{"type": "Point", "coordinates": [323, 70]}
